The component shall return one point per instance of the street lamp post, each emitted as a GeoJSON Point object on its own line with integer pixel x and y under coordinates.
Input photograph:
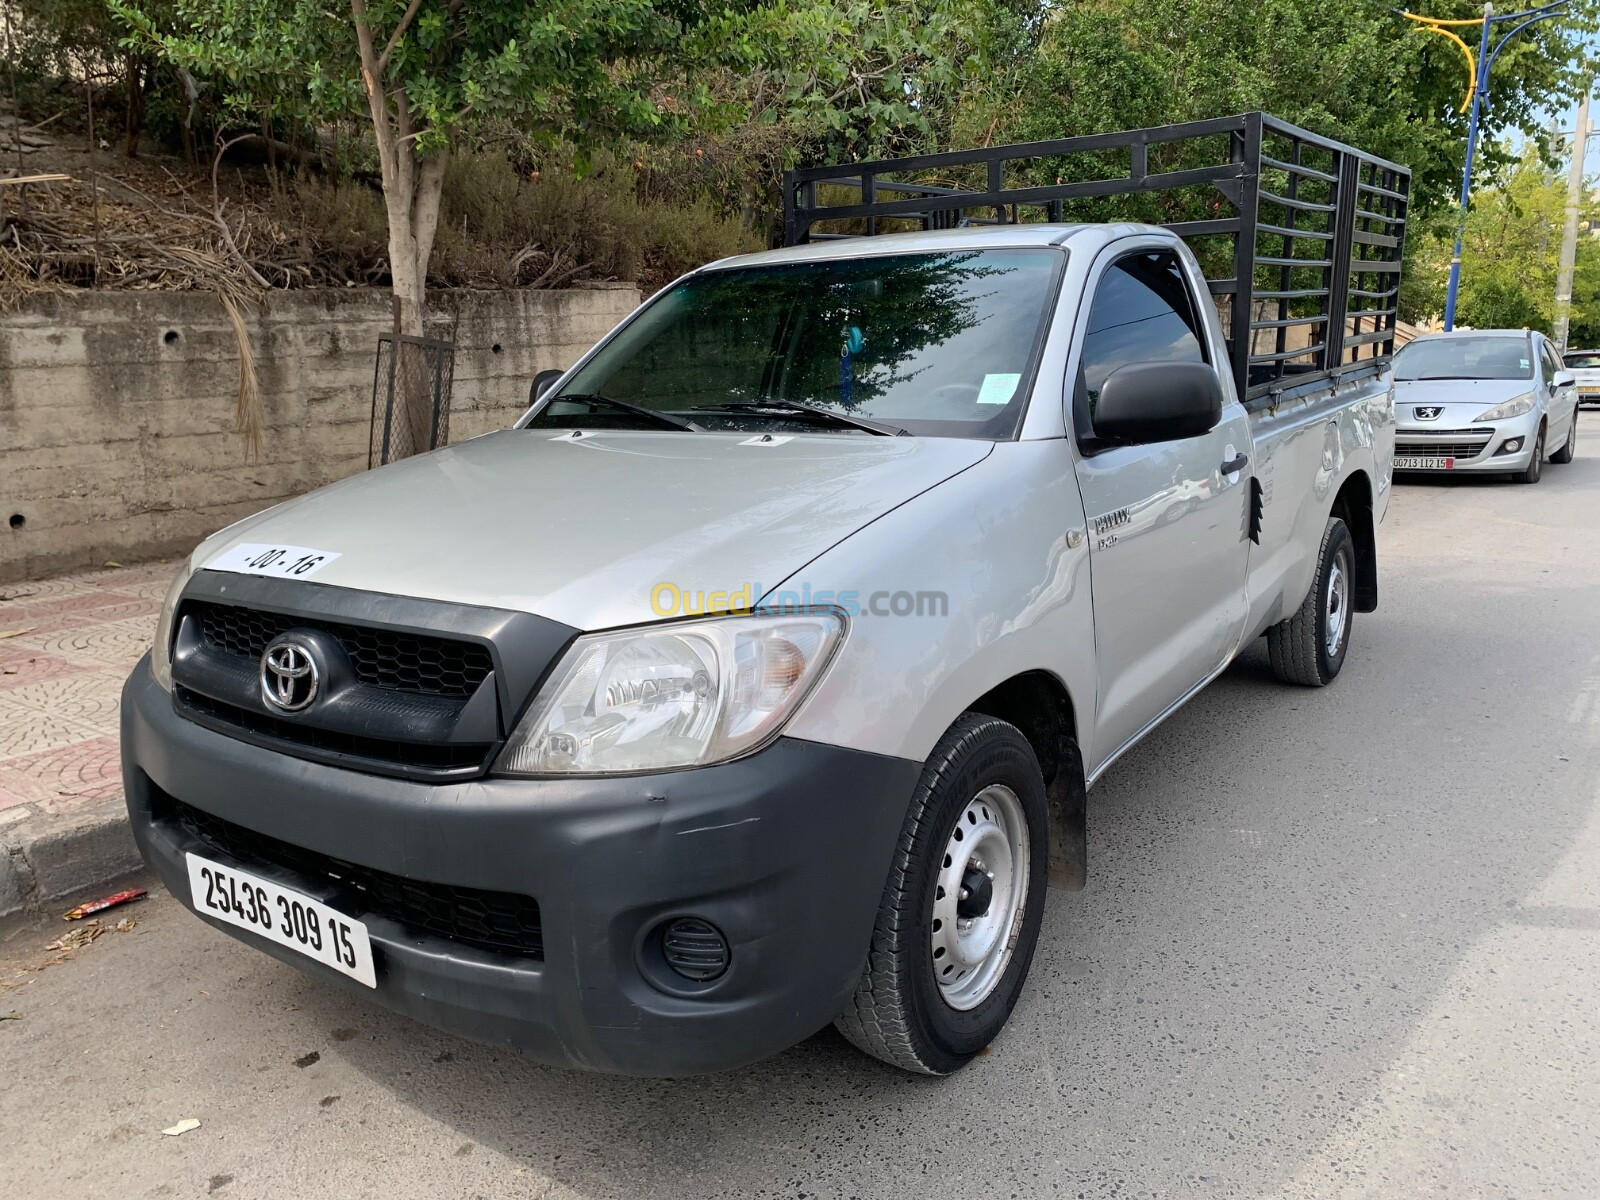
{"type": "Point", "coordinates": [1480, 99]}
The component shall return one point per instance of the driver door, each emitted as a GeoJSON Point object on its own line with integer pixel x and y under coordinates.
{"type": "Point", "coordinates": [1168, 537]}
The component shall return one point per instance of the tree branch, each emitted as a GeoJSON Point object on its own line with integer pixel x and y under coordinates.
{"type": "Point", "coordinates": [216, 211]}
{"type": "Point", "coordinates": [399, 30]}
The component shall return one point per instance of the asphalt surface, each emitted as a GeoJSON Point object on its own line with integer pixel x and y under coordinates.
{"type": "Point", "coordinates": [1337, 943]}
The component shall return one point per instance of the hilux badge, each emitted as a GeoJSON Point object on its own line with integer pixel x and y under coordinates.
{"type": "Point", "coordinates": [289, 676]}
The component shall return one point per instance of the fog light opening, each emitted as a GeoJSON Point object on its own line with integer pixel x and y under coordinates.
{"type": "Point", "coordinates": [695, 949]}
{"type": "Point", "coordinates": [1510, 446]}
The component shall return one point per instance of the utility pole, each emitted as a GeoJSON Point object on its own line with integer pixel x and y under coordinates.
{"type": "Point", "coordinates": [1569, 232]}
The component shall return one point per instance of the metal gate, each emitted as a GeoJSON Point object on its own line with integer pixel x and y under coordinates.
{"type": "Point", "coordinates": [411, 382]}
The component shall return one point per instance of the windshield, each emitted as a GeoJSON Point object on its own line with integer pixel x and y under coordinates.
{"type": "Point", "coordinates": [932, 344]}
{"type": "Point", "coordinates": [1465, 358]}
{"type": "Point", "coordinates": [1583, 360]}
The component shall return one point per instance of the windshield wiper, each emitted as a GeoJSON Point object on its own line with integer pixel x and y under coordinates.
{"type": "Point", "coordinates": [638, 410]}
{"type": "Point", "coordinates": [882, 429]}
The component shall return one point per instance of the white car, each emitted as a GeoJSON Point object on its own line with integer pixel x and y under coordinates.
{"type": "Point", "coordinates": [1484, 401]}
{"type": "Point", "coordinates": [1585, 368]}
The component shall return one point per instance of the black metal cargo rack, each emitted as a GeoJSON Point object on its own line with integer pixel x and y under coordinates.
{"type": "Point", "coordinates": [1308, 261]}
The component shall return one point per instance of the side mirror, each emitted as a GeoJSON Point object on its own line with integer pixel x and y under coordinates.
{"type": "Point", "coordinates": [1565, 379]}
{"type": "Point", "coordinates": [1158, 402]}
{"type": "Point", "coordinates": [542, 382]}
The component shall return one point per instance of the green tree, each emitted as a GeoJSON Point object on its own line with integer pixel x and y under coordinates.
{"type": "Point", "coordinates": [1356, 71]}
{"type": "Point", "coordinates": [1509, 257]}
{"type": "Point", "coordinates": [430, 76]}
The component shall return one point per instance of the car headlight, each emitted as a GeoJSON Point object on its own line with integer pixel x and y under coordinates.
{"type": "Point", "coordinates": [1514, 407]}
{"type": "Point", "coordinates": [678, 695]}
{"type": "Point", "coordinates": [161, 652]}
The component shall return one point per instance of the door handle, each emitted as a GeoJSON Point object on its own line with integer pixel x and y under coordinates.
{"type": "Point", "coordinates": [1236, 463]}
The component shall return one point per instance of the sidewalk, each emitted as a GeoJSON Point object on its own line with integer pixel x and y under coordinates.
{"type": "Point", "coordinates": [66, 645]}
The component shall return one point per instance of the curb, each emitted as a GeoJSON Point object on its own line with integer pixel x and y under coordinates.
{"type": "Point", "coordinates": [48, 858]}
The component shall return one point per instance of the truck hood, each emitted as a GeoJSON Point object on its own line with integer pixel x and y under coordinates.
{"type": "Point", "coordinates": [1461, 399]}
{"type": "Point", "coordinates": [583, 529]}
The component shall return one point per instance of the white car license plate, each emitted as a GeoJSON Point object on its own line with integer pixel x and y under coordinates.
{"type": "Point", "coordinates": [1412, 462]}
{"type": "Point", "coordinates": [282, 916]}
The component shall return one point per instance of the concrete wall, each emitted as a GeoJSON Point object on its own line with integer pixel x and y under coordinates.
{"type": "Point", "coordinates": [118, 437]}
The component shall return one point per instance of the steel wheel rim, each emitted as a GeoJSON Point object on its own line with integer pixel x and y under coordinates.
{"type": "Point", "coordinates": [970, 953]}
{"type": "Point", "coordinates": [1338, 606]}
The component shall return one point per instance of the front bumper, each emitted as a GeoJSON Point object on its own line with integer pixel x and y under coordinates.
{"type": "Point", "coordinates": [1425, 439]}
{"type": "Point", "coordinates": [786, 852]}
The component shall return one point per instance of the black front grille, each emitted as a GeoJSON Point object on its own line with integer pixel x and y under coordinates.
{"type": "Point", "coordinates": [385, 658]}
{"type": "Point", "coordinates": [1446, 443]}
{"type": "Point", "coordinates": [407, 758]}
{"type": "Point", "coordinates": [501, 921]}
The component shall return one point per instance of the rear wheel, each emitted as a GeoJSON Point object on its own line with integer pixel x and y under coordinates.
{"type": "Point", "coordinates": [1535, 468]}
{"type": "Point", "coordinates": [1309, 647]}
{"type": "Point", "coordinates": [1570, 446]}
{"type": "Point", "coordinates": [961, 911]}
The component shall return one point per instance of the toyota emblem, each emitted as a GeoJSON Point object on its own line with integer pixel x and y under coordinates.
{"type": "Point", "coordinates": [289, 676]}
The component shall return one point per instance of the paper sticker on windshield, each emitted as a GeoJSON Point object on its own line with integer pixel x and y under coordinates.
{"type": "Point", "coordinates": [284, 562]}
{"type": "Point", "coordinates": [998, 389]}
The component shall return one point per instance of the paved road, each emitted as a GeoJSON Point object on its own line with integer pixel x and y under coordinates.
{"type": "Point", "coordinates": [1342, 943]}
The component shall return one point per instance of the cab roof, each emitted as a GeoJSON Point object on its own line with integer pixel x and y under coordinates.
{"type": "Point", "coordinates": [976, 237]}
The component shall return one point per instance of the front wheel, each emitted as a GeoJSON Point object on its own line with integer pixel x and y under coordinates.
{"type": "Point", "coordinates": [1570, 446]}
{"type": "Point", "coordinates": [963, 905]}
{"type": "Point", "coordinates": [1309, 647]}
{"type": "Point", "coordinates": [1535, 468]}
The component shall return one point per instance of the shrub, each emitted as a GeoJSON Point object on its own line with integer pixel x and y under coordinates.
{"type": "Point", "coordinates": [500, 228]}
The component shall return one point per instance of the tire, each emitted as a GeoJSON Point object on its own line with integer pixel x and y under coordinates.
{"type": "Point", "coordinates": [1535, 468]}
{"type": "Point", "coordinates": [982, 770]}
{"type": "Point", "coordinates": [1309, 647]}
{"type": "Point", "coordinates": [1570, 446]}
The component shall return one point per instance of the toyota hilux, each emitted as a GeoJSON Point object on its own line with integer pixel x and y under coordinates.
{"type": "Point", "coordinates": [755, 679]}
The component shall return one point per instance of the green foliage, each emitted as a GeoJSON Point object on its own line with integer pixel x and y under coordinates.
{"type": "Point", "coordinates": [1509, 258]}
{"type": "Point", "coordinates": [1353, 70]}
{"type": "Point", "coordinates": [854, 77]}
{"type": "Point", "coordinates": [567, 68]}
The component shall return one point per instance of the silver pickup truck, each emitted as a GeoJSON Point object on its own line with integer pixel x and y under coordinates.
{"type": "Point", "coordinates": [755, 679]}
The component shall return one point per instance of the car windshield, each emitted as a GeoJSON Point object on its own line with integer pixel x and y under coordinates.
{"type": "Point", "coordinates": [1583, 360]}
{"type": "Point", "coordinates": [1465, 358]}
{"type": "Point", "coordinates": [932, 344]}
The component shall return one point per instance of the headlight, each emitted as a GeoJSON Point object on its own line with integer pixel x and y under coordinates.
{"type": "Point", "coordinates": [161, 652]}
{"type": "Point", "coordinates": [1515, 407]}
{"type": "Point", "coordinates": [678, 695]}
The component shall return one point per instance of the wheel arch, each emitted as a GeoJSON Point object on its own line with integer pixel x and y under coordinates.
{"type": "Point", "coordinates": [1040, 706]}
{"type": "Point", "coordinates": [1353, 505]}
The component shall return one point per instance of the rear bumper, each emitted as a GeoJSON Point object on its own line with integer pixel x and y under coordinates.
{"type": "Point", "coordinates": [786, 852]}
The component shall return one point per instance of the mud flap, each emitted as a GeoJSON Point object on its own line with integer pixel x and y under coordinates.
{"type": "Point", "coordinates": [1069, 830]}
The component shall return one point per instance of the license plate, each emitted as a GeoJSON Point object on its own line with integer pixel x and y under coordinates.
{"type": "Point", "coordinates": [1412, 462]}
{"type": "Point", "coordinates": [282, 916]}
